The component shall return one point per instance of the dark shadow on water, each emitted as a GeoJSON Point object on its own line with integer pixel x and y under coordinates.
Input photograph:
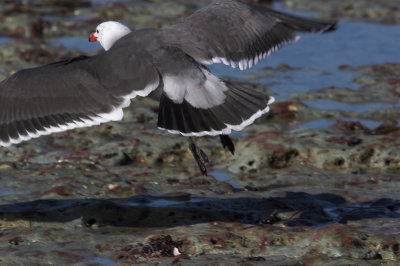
{"type": "Point", "coordinates": [149, 211]}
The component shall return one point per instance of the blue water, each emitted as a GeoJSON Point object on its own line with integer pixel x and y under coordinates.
{"type": "Point", "coordinates": [5, 39]}
{"type": "Point", "coordinates": [299, 81]}
{"type": "Point", "coordinates": [6, 192]}
{"type": "Point", "coordinates": [224, 177]}
{"type": "Point", "coordinates": [76, 43]}
{"type": "Point", "coordinates": [351, 44]}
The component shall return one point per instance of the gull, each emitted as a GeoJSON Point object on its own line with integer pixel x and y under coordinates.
{"type": "Point", "coordinates": [167, 65]}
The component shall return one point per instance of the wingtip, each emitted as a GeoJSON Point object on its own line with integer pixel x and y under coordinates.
{"type": "Point", "coordinates": [332, 26]}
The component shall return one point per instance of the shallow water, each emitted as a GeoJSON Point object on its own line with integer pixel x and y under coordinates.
{"type": "Point", "coordinates": [76, 43]}
{"type": "Point", "coordinates": [224, 177]}
{"type": "Point", "coordinates": [5, 39]}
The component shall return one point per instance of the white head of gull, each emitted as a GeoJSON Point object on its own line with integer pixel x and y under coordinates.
{"type": "Point", "coordinates": [164, 64]}
{"type": "Point", "coordinates": [107, 33]}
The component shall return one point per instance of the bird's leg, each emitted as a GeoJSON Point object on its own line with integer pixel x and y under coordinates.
{"type": "Point", "coordinates": [200, 157]}
{"type": "Point", "coordinates": [227, 143]}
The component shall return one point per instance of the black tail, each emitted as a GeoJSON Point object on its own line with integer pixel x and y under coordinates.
{"type": "Point", "coordinates": [239, 109]}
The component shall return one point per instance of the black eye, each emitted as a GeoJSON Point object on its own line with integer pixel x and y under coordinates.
{"type": "Point", "coordinates": [97, 31]}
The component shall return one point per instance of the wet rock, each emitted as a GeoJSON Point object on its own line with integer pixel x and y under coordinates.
{"type": "Point", "coordinates": [283, 110]}
{"type": "Point", "coordinates": [281, 159]}
{"type": "Point", "coordinates": [16, 240]}
{"type": "Point", "coordinates": [157, 246]}
{"type": "Point", "coordinates": [387, 127]}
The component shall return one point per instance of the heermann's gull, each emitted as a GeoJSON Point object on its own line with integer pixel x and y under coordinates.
{"type": "Point", "coordinates": [165, 64]}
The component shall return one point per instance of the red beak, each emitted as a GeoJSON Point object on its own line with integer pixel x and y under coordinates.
{"type": "Point", "coordinates": [92, 38]}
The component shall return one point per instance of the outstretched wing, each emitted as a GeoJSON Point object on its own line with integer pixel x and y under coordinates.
{"type": "Point", "coordinates": [80, 92]}
{"type": "Point", "coordinates": [238, 34]}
